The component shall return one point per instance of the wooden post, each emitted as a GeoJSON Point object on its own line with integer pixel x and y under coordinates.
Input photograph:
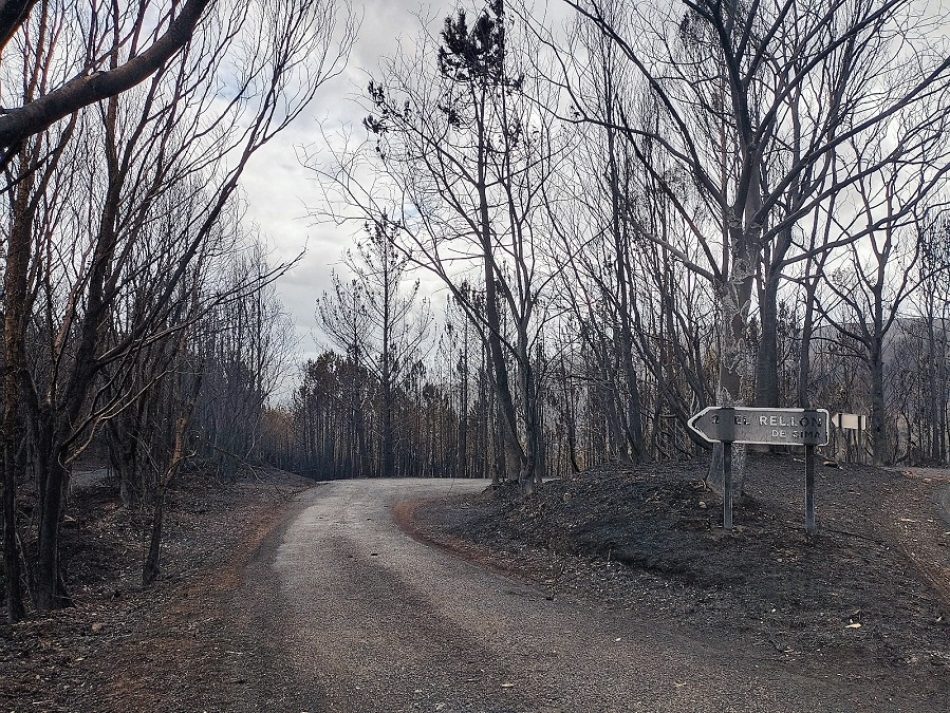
{"type": "Point", "coordinates": [727, 485]}
{"type": "Point", "coordinates": [810, 526]}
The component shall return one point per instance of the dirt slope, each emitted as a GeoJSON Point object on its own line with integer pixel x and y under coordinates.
{"type": "Point", "coordinates": [123, 647]}
{"type": "Point", "coordinates": [867, 598]}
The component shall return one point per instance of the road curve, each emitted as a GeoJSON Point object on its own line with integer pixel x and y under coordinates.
{"type": "Point", "coordinates": [351, 615]}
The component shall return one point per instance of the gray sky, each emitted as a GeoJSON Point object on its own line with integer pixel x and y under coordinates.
{"type": "Point", "coordinates": [279, 190]}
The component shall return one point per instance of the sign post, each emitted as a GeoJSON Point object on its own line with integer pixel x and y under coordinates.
{"type": "Point", "coordinates": [727, 485]}
{"type": "Point", "coordinates": [810, 527]}
{"type": "Point", "coordinates": [764, 426]}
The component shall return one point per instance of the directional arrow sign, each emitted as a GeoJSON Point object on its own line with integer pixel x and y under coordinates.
{"type": "Point", "coordinates": [765, 426]}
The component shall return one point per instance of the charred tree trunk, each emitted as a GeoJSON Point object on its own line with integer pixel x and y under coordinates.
{"type": "Point", "coordinates": [531, 460]}
{"type": "Point", "coordinates": [766, 364]}
{"type": "Point", "coordinates": [50, 591]}
{"type": "Point", "coordinates": [734, 301]}
{"type": "Point", "coordinates": [505, 403]}
{"type": "Point", "coordinates": [880, 440]}
{"type": "Point", "coordinates": [48, 582]}
{"type": "Point", "coordinates": [632, 421]}
{"type": "Point", "coordinates": [462, 466]}
{"type": "Point", "coordinates": [11, 556]}
{"type": "Point", "coordinates": [386, 418]}
{"type": "Point", "coordinates": [14, 284]}
{"type": "Point", "coordinates": [152, 566]}
{"type": "Point", "coordinates": [804, 356]}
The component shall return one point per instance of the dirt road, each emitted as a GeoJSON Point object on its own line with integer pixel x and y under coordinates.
{"type": "Point", "coordinates": [345, 613]}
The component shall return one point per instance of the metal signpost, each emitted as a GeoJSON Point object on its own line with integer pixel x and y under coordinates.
{"type": "Point", "coordinates": [764, 426]}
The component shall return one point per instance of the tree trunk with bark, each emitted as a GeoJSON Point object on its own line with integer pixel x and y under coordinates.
{"type": "Point", "coordinates": [14, 283]}
{"type": "Point", "coordinates": [766, 363]}
{"type": "Point", "coordinates": [735, 295]}
{"type": "Point", "coordinates": [880, 437]}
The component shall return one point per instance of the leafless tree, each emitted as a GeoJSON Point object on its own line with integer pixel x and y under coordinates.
{"type": "Point", "coordinates": [153, 172]}
{"type": "Point", "coordinates": [753, 102]}
{"type": "Point", "coordinates": [466, 155]}
{"type": "Point", "coordinates": [91, 83]}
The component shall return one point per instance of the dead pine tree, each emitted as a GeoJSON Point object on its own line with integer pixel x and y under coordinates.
{"type": "Point", "coordinates": [463, 141]}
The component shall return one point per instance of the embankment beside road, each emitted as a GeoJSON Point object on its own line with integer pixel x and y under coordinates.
{"type": "Point", "coordinates": [124, 647]}
{"type": "Point", "coordinates": [860, 598]}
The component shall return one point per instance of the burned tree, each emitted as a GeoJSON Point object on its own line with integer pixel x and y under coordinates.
{"type": "Point", "coordinates": [152, 171]}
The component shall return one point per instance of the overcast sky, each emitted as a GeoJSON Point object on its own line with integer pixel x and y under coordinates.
{"type": "Point", "coordinates": [279, 190]}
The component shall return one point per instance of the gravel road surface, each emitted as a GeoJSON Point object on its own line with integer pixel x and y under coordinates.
{"type": "Point", "coordinates": [346, 613]}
